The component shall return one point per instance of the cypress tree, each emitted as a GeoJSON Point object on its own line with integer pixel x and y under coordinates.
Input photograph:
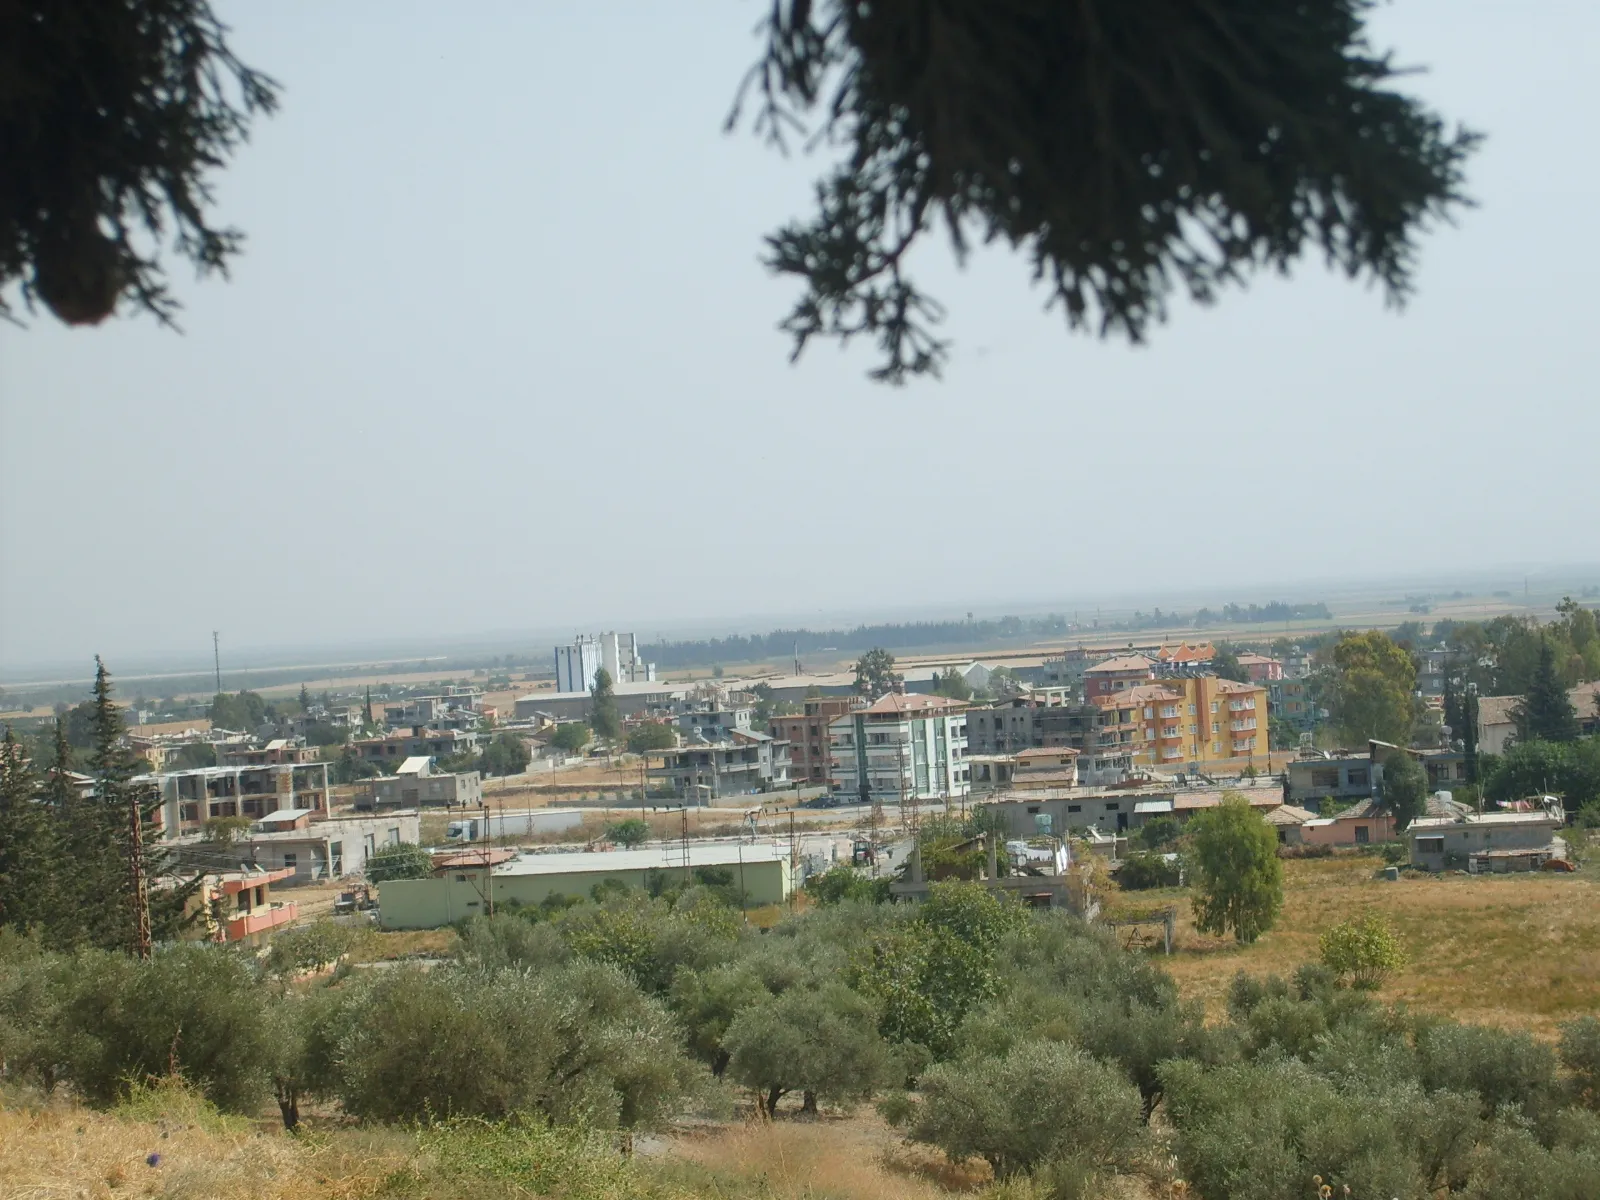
{"type": "Point", "coordinates": [1469, 734]}
{"type": "Point", "coordinates": [27, 842]}
{"type": "Point", "coordinates": [1545, 714]}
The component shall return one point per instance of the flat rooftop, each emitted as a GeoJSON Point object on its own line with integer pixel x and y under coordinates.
{"type": "Point", "coordinates": [663, 857]}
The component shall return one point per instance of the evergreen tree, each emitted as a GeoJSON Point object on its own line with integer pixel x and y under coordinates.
{"type": "Point", "coordinates": [366, 712]}
{"type": "Point", "coordinates": [1545, 714]}
{"type": "Point", "coordinates": [604, 718]}
{"type": "Point", "coordinates": [1454, 710]}
{"type": "Point", "coordinates": [27, 842]}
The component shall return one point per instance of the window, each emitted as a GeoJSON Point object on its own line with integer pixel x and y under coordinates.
{"type": "Point", "coordinates": [1072, 808]}
{"type": "Point", "coordinates": [1363, 835]}
{"type": "Point", "coordinates": [394, 836]}
{"type": "Point", "coordinates": [1191, 710]}
{"type": "Point", "coordinates": [1358, 777]}
{"type": "Point", "coordinates": [1325, 777]}
{"type": "Point", "coordinates": [1213, 706]}
{"type": "Point", "coordinates": [1033, 808]}
{"type": "Point", "coordinates": [1430, 845]}
{"type": "Point", "coordinates": [1113, 806]}
{"type": "Point", "coordinates": [290, 860]}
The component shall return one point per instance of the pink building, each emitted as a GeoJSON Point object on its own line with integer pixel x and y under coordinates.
{"type": "Point", "coordinates": [1362, 825]}
{"type": "Point", "coordinates": [1260, 668]}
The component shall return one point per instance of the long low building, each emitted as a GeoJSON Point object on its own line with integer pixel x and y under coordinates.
{"type": "Point", "coordinates": [1486, 842]}
{"type": "Point", "coordinates": [760, 869]}
{"type": "Point", "coordinates": [1112, 810]}
{"type": "Point", "coordinates": [633, 699]}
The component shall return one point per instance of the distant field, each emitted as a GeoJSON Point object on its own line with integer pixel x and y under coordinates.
{"type": "Point", "coordinates": [1509, 950]}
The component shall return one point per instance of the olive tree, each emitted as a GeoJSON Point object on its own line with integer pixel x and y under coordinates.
{"type": "Point", "coordinates": [1042, 1101]}
{"type": "Point", "coordinates": [823, 1043]}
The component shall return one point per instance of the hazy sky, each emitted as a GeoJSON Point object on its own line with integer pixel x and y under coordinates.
{"type": "Point", "coordinates": [500, 355]}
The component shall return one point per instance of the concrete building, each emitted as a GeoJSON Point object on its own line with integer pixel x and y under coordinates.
{"type": "Point", "coordinates": [1102, 681]}
{"type": "Point", "coordinates": [276, 752]}
{"type": "Point", "coordinates": [744, 763]}
{"type": "Point", "coordinates": [237, 906]}
{"type": "Point", "coordinates": [901, 748]}
{"type": "Point", "coordinates": [807, 736]}
{"type": "Point", "coordinates": [417, 785]}
{"type": "Point", "coordinates": [760, 870]}
{"type": "Point", "coordinates": [1361, 825]}
{"type": "Point", "coordinates": [327, 849]}
{"type": "Point", "coordinates": [1290, 701]}
{"type": "Point", "coordinates": [618, 653]}
{"type": "Point", "coordinates": [1488, 842]}
{"type": "Point", "coordinates": [418, 742]}
{"type": "Point", "coordinates": [1341, 777]}
{"type": "Point", "coordinates": [1497, 720]}
{"type": "Point", "coordinates": [633, 700]}
{"type": "Point", "coordinates": [1261, 668]}
{"type": "Point", "coordinates": [713, 720]}
{"type": "Point", "coordinates": [1196, 721]}
{"type": "Point", "coordinates": [191, 798]}
{"type": "Point", "coordinates": [1288, 821]}
{"type": "Point", "coordinates": [454, 708]}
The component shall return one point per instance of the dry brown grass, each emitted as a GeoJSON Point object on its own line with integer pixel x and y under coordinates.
{"type": "Point", "coordinates": [1509, 950]}
{"type": "Point", "coordinates": [64, 1151]}
{"type": "Point", "coordinates": [857, 1157]}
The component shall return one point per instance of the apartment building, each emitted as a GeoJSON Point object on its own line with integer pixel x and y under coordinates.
{"type": "Point", "coordinates": [1191, 721]}
{"type": "Point", "coordinates": [275, 753]}
{"type": "Point", "coordinates": [1112, 675]}
{"type": "Point", "coordinates": [810, 761]}
{"type": "Point", "coordinates": [431, 743]}
{"type": "Point", "coordinates": [416, 784]}
{"type": "Point", "coordinates": [901, 748]}
{"type": "Point", "coordinates": [745, 762]}
{"type": "Point", "coordinates": [454, 708]}
{"type": "Point", "coordinates": [190, 798]}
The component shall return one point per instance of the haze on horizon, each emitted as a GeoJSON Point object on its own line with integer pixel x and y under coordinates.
{"type": "Point", "coordinates": [499, 355]}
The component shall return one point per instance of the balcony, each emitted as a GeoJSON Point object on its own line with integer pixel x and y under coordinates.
{"type": "Point", "coordinates": [1241, 726]}
{"type": "Point", "coordinates": [279, 912]}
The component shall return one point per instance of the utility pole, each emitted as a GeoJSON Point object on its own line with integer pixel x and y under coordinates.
{"type": "Point", "coordinates": [140, 885]}
{"type": "Point", "coordinates": [216, 659]}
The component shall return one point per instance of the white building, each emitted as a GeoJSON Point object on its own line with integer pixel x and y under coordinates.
{"type": "Point", "coordinates": [618, 653]}
{"type": "Point", "coordinates": [905, 748]}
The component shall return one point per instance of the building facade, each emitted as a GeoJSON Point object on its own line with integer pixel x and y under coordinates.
{"type": "Point", "coordinates": [744, 763]}
{"type": "Point", "coordinates": [807, 736]}
{"type": "Point", "coordinates": [901, 748]}
{"type": "Point", "coordinates": [1200, 721]}
{"type": "Point", "coordinates": [191, 798]}
{"type": "Point", "coordinates": [1102, 681]}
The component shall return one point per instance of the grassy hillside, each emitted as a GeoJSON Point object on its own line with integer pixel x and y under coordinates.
{"type": "Point", "coordinates": [1510, 950]}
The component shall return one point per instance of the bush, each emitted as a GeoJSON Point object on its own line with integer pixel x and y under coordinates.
{"type": "Point", "coordinates": [1395, 853]}
{"type": "Point", "coordinates": [1580, 1055]}
{"type": "Point", "coordinates": [651, 735]}
{"type": "Point", "coordinates": [119, 1022]}
{"type": "Point", "coordinates": [1363, 951]}
{"type": "Point", "coordinates": [842, 882]}
{"type": "Point", "coordinates": [311, 947]}
{"type": "Point", "coordinates": [1042, 1101]}
{"type": "Point", "coordinates": [628, 834]}
{"type": "Point", "coordinates": [403, 861]}
{"type": "Point", "coordinates": [1158, 832]}
{"type": "Point", "coordinates": [1143, 870]}
{"type": "Point", "coordinates": [576, 1045]}
{"type": "Point", "coordinates": [1501, 1067]}
{"type": "Point", "coordinates": [570, 737]}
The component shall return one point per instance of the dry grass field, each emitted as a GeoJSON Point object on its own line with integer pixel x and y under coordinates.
{"type": "Point", "coordinates": [1509, 950]}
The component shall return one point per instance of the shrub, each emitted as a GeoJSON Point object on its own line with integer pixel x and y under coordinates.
{"type": "Point", "coordinates": [1042, 1101]}
{"type": "Point", "coordinates": [311, 947]}
{"type": "Point", "coordinates": [842, 882]}
{"type": "Point", "coordinates": [1580, 1055]}
{"type": "Point", "coordinates": [1158, 832]}
{"type": "Point", "coordinates": [576, 1044]}
{"type": "Point", "coordinates": [1502, 1067]}
{"type": "Point", "coordinates": [1362, 950]}
{"type": "Point", "coordinates": [402, 861]}
{"type": "Point", "coordinates": [1143, 870]}
{"type": "Point", "coordinates": [628, 834]}
{"type": "Point", "coordinates": [196, 1008]}
{"type": "Point", "coordinates": [1395, 853]}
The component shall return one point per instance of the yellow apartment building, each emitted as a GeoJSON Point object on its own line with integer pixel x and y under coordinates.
{"type": "Point", "coordinates": [1200, 721]}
